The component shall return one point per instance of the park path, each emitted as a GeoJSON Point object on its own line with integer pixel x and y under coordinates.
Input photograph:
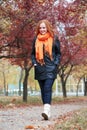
{"type": "Point", "coordinates": [17, 118]}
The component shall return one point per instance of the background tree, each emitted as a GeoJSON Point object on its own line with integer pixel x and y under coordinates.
{"type": "Point", "coordinates": [9, 75]}
{"type": "Point", "coordinates": [80, 73]}
{"type": "Point", "coordinates": [70, 23]}
{"type": "Point", "coordinates": [67, 20]}
{"type": "Point", "coordinates": [23, 20]}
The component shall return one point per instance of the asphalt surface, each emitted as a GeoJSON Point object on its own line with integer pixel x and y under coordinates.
{"type": "Point", "coordinates": [18, 118]}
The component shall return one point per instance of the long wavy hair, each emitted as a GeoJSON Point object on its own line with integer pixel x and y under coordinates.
{"type": "Point", "coordinates": [48, 25]}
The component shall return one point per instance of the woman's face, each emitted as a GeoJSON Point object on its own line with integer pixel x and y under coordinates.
{"type": "Point", "coordinates": [42, 28]}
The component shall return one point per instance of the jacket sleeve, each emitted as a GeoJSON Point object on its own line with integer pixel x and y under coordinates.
{"type": "Point", "coordinates": [33, 52]}
{"type": "Point", "coordinates": [57, 51]}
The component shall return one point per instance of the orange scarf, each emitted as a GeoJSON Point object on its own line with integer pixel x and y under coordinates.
{"type": "Point", "coordinates": [43, 45]}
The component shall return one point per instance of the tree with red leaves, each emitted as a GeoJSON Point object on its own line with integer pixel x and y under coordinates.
{"type": "Point", "coordinates": [67, 19]}
{"type": "Point", "coordinates": [70, 21]}
{"type": "Point", "coordinates": [23, 20]}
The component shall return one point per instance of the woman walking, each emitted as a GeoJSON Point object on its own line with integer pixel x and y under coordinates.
{"type": "Point", "coordinates": [45, 58]}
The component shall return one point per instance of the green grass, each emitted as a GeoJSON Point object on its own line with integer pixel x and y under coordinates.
{"type": "Point", "coordinates": [31, 100]}
{"type": "Point", "coordinates": [78, 121]}
{"type": "Point", "coordinates": [18, 101]}
{"type": "Point", "coordinates": [34, 100]}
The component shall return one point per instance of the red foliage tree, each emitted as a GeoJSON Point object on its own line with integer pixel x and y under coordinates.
{"type": "Point", "coordinates": [70, 21]}
{"type": "Point", "coordinates": [67, 19]}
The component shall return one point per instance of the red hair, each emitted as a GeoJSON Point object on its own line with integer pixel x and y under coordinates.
{"type": "Point", "coordinates": [48, 25]}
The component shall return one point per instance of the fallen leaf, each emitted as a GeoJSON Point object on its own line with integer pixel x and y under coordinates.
{"type": "Point", "coordinates": [29, 127]}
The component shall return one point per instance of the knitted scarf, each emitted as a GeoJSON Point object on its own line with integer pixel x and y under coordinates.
{"type": "Point", "coordinates": [43, 46]}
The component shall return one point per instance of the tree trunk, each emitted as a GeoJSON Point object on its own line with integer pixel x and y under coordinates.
{"type": "Point", "coordinates": [25, 85]}
{"type": "Point", "coordinates": [4, 83]}
{"type": "Point", "coordinates": [7, 90]}
{"type": "Point", "coordinates": [21, 75]}
{"type": "Point", "coordinates": [85, 86]}
{"type": "Point", "coordinates": [64, 76]}
{"type": "Point", "coordinates": [85, 89]}
{"type": "Point", "coordinates": [78, 86]}
{"type": "Point", "coordinates": [64, 88]}
{"type": "Point", "coordinates": [56, 90]}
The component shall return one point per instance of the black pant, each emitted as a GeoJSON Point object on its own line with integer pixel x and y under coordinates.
{"type": "Point", "coordinates": [46, 90]}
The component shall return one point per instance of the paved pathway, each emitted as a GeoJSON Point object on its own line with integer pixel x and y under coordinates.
{"type": "Point", "coordinates": [18, 118]}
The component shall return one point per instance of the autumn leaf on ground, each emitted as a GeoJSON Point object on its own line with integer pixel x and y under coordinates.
{"type": "Point", "coordinates": [29, 127]}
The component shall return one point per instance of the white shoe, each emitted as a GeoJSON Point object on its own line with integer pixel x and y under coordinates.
{"type": "Point", "coordinates": [46, 113]}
